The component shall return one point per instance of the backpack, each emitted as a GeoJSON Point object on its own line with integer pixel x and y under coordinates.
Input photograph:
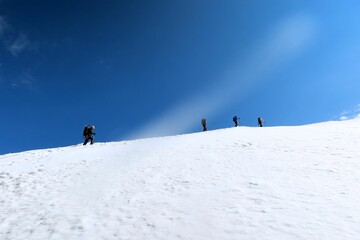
{"type": "Point", "coordinates": [86, 131]}
{"type": "Point", "coordinates": [203, 121]}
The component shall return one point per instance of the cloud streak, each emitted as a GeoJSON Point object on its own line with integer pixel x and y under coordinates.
{"type": "Point", "coordinates": [350, 114]}
{"type": "Point", "coordinates": [284, 42]}
{"type": "Point", "coordinates": [3, 26]}
{"type": "Point", "coordinates": [20, 44]}
{"type": "Point", "coordinates": [14, 42]}
{"type": "Point", "coordinates": [25, 80]}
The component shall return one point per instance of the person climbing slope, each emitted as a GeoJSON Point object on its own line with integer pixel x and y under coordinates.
{"type": "Point", "coordinates": [204, 123]}
{"type": "Point", "coordinates": [89, 134]}
{"type": "Point", "coordinates": [235, 120]}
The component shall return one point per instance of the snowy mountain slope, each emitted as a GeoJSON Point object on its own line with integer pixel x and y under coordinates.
{"type": "Point", "coordinates": [237, 183]}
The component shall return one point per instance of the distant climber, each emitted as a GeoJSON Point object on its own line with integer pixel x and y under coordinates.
{"type": "Point", "coordinates": [203, 123]}
{"type": "Point", "coordinates": [260, 121]}
{"type": "Point", "coordinates": [235, 120]}
{"type": "Point", "coordinates": [89, 134]}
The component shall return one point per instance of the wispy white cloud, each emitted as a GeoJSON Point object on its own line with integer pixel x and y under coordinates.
{"type": "Point", "coordinates": [14, 41]}
{"type": "Point", "coordinates": [25, 80]}
{"type": "Point", "coordinates": [20, 44]}
{"type": "Point", "coordinates": [3, 26]}
{"type": "Point", "coordinates": [284, 42]}
{"type": "Point", "coordinates": [353, 113]}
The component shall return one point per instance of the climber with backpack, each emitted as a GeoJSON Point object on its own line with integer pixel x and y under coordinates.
{"type": "Point", "coordinates": [203, 123]}
{"type": "Point", "coordinates": [89, 134]}
{"type": "Point", "coordinates": [235, 120]}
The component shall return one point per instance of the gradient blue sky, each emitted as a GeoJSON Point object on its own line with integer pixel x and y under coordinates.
{"type": "Point", "coordinates": [139, 68]}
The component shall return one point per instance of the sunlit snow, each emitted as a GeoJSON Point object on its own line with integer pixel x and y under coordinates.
{"type": "Point", "coordinates": [285, 183]}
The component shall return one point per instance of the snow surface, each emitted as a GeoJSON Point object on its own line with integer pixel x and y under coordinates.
{"type": "Point", "coordinates": [238, 183]}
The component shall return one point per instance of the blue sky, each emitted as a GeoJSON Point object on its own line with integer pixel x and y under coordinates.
{"type": "Point", "coordinates": [144, 68]}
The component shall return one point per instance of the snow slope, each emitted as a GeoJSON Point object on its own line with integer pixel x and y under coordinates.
{"type": "Point", "coordinates": [237, 183]}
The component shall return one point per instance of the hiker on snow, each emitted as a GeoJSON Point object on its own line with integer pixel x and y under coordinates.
{"type": "Point", "coordinates": [235, 120]}
{"type": "Point", "coordinates": [203, 123]}
{"type": "Point", "coordinates": [260, 121]}
{"type": "Point", "coordinates": [88, 134]}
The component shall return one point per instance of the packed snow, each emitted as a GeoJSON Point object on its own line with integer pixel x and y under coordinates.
{"type": "Point", "coordinates": [246, 183]}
